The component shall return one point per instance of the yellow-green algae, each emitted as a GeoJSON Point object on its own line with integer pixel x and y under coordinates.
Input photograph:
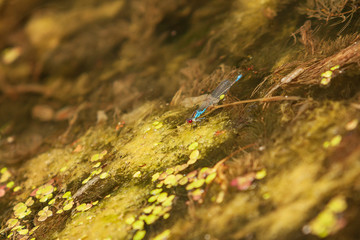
{"type": "Point", "coordinates": [146, 147]}
{"type": "Point", "coordinates": [108, 219]}
{"type": "Point", "coordinates": [296, 182]}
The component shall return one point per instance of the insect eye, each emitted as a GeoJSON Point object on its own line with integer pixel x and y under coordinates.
{"type": "Point", "coordinates": [189, 120]}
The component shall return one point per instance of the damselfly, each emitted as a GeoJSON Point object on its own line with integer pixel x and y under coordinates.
{"type": "Point", "coordinates": [213, 98]}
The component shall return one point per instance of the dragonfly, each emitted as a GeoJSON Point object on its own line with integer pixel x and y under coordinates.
{"type": "Point", "coordinates": [213, 98]}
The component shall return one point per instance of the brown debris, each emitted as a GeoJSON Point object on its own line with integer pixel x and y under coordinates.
{"type": "Point", "coordinates": [309, 73]}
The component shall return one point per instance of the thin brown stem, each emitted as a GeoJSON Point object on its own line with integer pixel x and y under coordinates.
{"type": "Point", "coordinates": [266, 99]}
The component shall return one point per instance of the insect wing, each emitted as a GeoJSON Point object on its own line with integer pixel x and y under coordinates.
{"type": "Point", "coordinates": [223, 87]}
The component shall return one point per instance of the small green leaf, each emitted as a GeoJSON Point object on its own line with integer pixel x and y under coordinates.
{"type": "Point", "coordinates": [10, 184]}
{"type": "Point", "coordinates": [130, 219]}
{"type": "Point", "coordinates": [210, 178]}
{"type": "Point", "coordinates": [138, 225]}
{"type": "Point", "coordinates": [193, 146]}
{"type": "Point", "coordinates": [194, 154]}
{"type": "Point", "coordinates": [162, 197]}
{"type": "Point", "coordinates": [104, 175]}
{"type": "Point", "coordinates": [156, 191]}
{"type": "Point", "coordinates": [155, 177]}
{"type": "Point", "coordinates": [67, 195]}
{"type": "Point", "coordinates": [68, 205]}
{"type": "Point", "coordinates": [139, 235]}
{"type": "Point", "coordinates": [29, 202]}
{"type": "Point", "coordinates": [151, 219]}
{"type": "Point", "coordinates": [12, 222]}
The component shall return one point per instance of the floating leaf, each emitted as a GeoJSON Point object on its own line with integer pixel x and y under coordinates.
{"type": "Point", "coordinates": [29, 202]}
{"type": "Point", "coordinates": [157, 210]}
{"type": "Point", "coordinates": [19, 209]}
{"type": "Point", "coordinates": [183, 181]}
{"type": "Point", "coordinates": [17, 227]}
{"type": "Point", "coordinates": [323, 224]}
{"type": "Point", "coordinates": [155, 177]}
{"type": "Point", "coordinates": [150, 219]}
{"type": "Point", "coordinates": [67, 195]}
{"type": "Point", "coordinates": [325, 81]}
{"type": "Point", "coordinates": [166, 216]}
{"type": "Point", "coordinates": [95, 157]}
{"type": "Point", "coordinates": [130, 219]}
{"type": "Point", "coordinates": [196, 184]}
{"type": "Point", "coordinates": [137, 174]}
{"type": "Point", "coordinates": [52, 201]}
{"type": "Point", "coordinates": [168, 201]}
{"type": "Point", "coordinates": [191, 174]}
{"type": "Point", "coordinates": [59, 211]}
{"type": "Point", "coordinates": [193, 146]}
{"type": "Point", "coordinates": [104, 175]}
{"type": "Point", "coordinates": [11, 222]}
{"type": "Point", "coordinates": [97, 165]}
{"type": "Point", "coordinates": [260, 174]}
{"type": "Point", "coordinates": [139, 235]}
{"type": "Point", "coordinates": [45, 190]}
{"type": "Point", "coordinates": [153, 198]}
{"type": "Point", "coordinates": [5, 175]}
{"type": "Point", "coordinates": [162, 197]}
{"type": "Point", "coordinates": [45, 198]}
{"type": "Point", "coordinates": [96, 172]}
{"type": "Point", "coordinates": [84, 207]}
{"type": "Point", "coordinates": [63, 169]}
{"type": "Point", "coordinates": [44, 214]}
{"type": "Point", "coordinates": [148, 209]}
{"type": "Point", "coordinates": [68, 205]}
{"type": "Point", "coordinates": [164, 235]}
{"type": "Point", "coordinates": [326, 144]}
{"type": "Point", "coordinates": [170, 180]}
{"type": "Point", "coordinates": [162, 176]}
{"type": "Point", "coordinates": [23, 231]}
{"type": "Point", "coordinates": [194, 154]}
{"type": "Point", "coordinates": [266, 196]}
{"type": "Point", "coordinates": [337, 204]}
{"type": "Point", "coordinates": [17, 188]}
{"type": "Point", "coordinates": [170, 171]}
{"type": "Point", "coordinates": [156, 191]}
{"type": "Point", "coordinates": [138, 225]}
{"type": "Point", "coordinates": [192, 161]}
{"type": "Point", "coordinates": [335, 67]}
{"type": "Point", "coordinates": [327, 74]}
{"type": "Point", "coordinates": [180, 168]}
{"type": "Point", "coordinates": [204, 172]}
{"type": "Point", "coordinates": [10, 184]}
{"type": "Point", "coordinates": [335, 140]}
{"type": "Point", "coordinates": [86, 180]}
{"type": "Point", "coordinates": [210, 178]}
